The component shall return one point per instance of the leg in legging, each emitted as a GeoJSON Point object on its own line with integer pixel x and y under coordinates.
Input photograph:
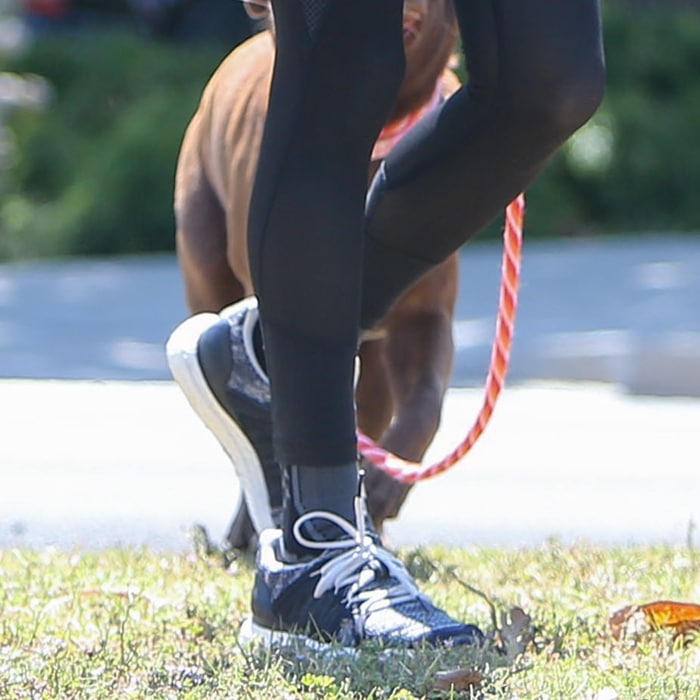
{"type": "Point", "coordinates": [536, 73]}
{"type": "Point", "coordinates": [339, 65]}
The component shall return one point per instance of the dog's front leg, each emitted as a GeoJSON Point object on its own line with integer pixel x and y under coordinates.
{"type": "Point", "coordinates": [418, 356]}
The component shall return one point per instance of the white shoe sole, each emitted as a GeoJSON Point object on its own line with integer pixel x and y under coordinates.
{"type": "Point", "coordinates": [181, 350]}
{"type": "Point", "coordinates": [250, 633]}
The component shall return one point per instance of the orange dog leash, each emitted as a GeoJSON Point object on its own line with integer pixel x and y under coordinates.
{"type": "Point", "coordinates": [410, 472]}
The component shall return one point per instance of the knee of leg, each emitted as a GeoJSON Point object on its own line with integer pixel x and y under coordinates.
{"type": "Point", "coordinates": [564, 100]}
{"type": "Point", "coordinates": [578, 98]}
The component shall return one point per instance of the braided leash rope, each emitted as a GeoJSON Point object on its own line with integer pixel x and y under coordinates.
{"type": "Point", "coordinates": [411, 472]}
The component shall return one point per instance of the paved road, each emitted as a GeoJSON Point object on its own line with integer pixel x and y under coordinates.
{"type": "Point", "coordinates": [99, 458]}
{"type": "Point", "coordinates": [101, 463]}
{"type": "Point", "coordinates": [623, 311]}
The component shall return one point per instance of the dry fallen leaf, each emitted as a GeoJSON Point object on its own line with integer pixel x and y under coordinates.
{"type": "Point", "coordinates": [515, 632]}
{"type": "Point", "coordinates": [619, 620]}
{"type": "Point", "coordinates": [684, 617]}
{"type": "Point", "coordinates": [681, 617]}
{"type": "Point", "coordinates": [459, 679]}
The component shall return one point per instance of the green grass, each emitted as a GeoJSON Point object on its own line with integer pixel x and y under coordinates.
{"type": "Point", "coordinates": [132, 623]}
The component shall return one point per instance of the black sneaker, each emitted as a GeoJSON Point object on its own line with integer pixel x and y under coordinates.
{"type": "Point", "coordinates": [353, 591]}
{"type": "Point", "coordinates": [212, 358]}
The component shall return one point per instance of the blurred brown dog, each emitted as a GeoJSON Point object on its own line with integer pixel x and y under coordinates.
{"type": "Point", "coordinates": [406, 363]}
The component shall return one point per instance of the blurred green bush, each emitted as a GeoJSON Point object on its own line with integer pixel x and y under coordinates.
{"type": "Point", "coordinates": [634, 167]}
{"type": "Point", "coordinates": [93, 173]}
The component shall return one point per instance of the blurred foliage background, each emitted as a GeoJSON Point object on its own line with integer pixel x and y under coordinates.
{"type": "Point", "coordinates": [93, 114]}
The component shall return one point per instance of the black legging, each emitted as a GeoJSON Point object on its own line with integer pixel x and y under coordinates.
{"type": "Point", "coordinates": [324, 267]}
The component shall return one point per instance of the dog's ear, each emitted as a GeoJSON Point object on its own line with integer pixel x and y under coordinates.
{"type": "Point", "coordinates": [258, 10]}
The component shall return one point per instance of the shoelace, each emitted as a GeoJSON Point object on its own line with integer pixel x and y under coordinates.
{"type": "Point", "coordinates": [357, 567]}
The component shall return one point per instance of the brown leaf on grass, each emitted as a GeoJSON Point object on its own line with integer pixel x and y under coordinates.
{"type": "Point", "coordinates": [515, 632]}
{"type": "Point", "coordinates": [681, 617]}
{"type": "Point", "coordinates": [459, 679]}
{"type": "Point", "coordinates": [122, 592]}
{"type": "Point", "coordinates": [620, 620]}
